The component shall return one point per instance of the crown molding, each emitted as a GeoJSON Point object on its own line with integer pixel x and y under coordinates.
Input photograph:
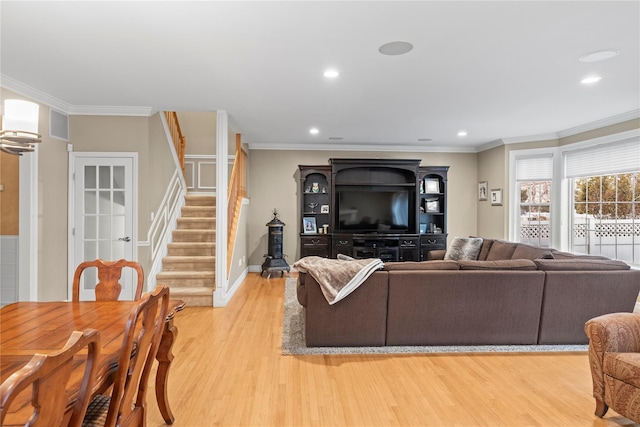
{"type": "Point", "coordinates": [57, 104]}
{"type": "Point", "coordinates": [361, 147]}
{"type": "Point", "coordinates": [102, 110]}
{"type": "Point", "coordinates": [37, 95]}
{"type": "Point", "coordinates": [608, 121]}
{"type": "Point", "coordinates": [96, 110]}
{"type": "Point", "coordinates": [517, 140]}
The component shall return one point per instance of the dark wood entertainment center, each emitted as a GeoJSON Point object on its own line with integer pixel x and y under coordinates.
{"type": "Point", "coordinates": [392, 209]}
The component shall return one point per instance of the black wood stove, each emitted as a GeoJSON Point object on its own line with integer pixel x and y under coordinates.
{"type": "Point", "coordinates": [274, 259]}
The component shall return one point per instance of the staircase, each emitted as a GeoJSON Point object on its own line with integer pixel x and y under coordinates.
{"type": "Point", "coordinates": [189, 267]}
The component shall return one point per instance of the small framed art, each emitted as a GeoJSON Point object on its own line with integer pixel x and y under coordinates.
{"type": "Point", "coordinates": [496, 197]}
{"type": "Point", "coordinates": [483, 190]}
{"type": "Point", "coordinates": [431, 185]}
{"type": "Point", "coordinates": [324, 209]}
{"type": "Point", "coordinates": [432, 205]}
{"type": "Point", "coordinates": [309, 225]}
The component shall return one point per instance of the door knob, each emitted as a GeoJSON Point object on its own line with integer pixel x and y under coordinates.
{"type": "Point", "coordinates": [125, 239]}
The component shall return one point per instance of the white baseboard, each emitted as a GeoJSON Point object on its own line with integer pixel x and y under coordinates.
{"type": "Point", "coordinates": [221, 298]}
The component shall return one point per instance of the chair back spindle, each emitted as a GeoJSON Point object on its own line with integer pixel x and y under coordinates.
{"type": "Point", "coordinates": [108, 287]}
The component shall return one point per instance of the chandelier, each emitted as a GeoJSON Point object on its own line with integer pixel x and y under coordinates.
{"type": "Point", "coordinates": [19, 132]}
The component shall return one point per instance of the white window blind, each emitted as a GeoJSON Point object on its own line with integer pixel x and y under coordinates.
{"type": "Point", "coordinates": [534, 168]}
{"type": "Point", "coordinates": [604, 159]}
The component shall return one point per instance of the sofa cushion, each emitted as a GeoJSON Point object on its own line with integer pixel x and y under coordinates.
{"type": "Point", "coordinates": [571, 256]}
{"type": "Point", "coordinates": [524, 251]}
{"type": "Point", "coordinates": [506, 264]}
{"type": "Point", "coordinates": [422, 265]}
{"type": "Point", "coordinates": [501, 249]}
{"type": "Point", "coordinates": [484, 251]}
{"type": "Point", "coordinates": [436, 254]}
{"type": "Point", "coordinates": [463, 248]}
{"type": "Point", "coordinates": [580, 264]}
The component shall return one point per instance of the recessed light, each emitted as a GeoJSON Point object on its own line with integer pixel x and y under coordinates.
{"type": "Point", "coordinates": [336, 138]}
{"type": "Point", "coordinates": [425, 139]}
{"type": "Point", "coordinates": [314, 131]}
{"type": "Point", "coordinates": [332, 74]}
{"type": "Point", "coordinates": [590, 80]}
{"type": "Point", "coordinates": [462, 133]}
{"type": "Point", "coordinates": [600, 55]}
{"type": "Point", "coordinates": [395, 48]}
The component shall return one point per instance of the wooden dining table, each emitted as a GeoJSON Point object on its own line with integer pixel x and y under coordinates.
{"type": "Point", "coordinates": [27, 328]}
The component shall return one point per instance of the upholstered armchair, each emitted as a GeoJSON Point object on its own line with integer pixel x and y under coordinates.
{"type": "Point", "coordinates": [614, 357]}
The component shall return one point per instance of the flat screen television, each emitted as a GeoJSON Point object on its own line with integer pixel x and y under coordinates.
{"type": "Point", "coordinates": [369, 210]}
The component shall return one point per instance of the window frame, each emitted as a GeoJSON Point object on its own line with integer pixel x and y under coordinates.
{"type": "Point", "coordinates": [514, 189]}
{"type": "Point", "coordinates": [561, 187]}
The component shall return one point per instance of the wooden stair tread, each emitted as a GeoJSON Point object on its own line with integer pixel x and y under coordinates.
{"type": "Point", "coordinates": [192, 291]}
{"type": "Point", "coordinates": [185, 274]}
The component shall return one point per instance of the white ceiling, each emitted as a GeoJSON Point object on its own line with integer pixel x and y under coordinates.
{"type": "Point", "coordinates": [505, 70]}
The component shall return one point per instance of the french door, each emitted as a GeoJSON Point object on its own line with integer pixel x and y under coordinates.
{"type": "Point", "coordinates": [103, 216]}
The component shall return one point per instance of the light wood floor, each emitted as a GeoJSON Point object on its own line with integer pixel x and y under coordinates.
{"type": "Point", "coordinates": [228, 371]}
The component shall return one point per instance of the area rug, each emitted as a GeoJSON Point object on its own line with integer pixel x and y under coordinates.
{"type": "Point", "coordinates": [293, 338]}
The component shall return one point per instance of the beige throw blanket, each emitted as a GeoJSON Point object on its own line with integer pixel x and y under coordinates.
{"type": "Point", "coordinates": [338, 277]}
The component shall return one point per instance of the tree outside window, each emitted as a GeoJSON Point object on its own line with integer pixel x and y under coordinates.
{"type": "Point", "coordinates": [606, 216]}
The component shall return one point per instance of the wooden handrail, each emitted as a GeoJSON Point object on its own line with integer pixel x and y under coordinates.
{"type": "Point", "coordinates": [179, 141]}
{"type": "Point", "coordinates": [237, 190]}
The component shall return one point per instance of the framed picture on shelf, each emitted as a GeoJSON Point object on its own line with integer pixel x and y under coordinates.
{"type": "Point", "coordinates": [432, 205]}
{"type": "Point", "coordinates": [483, 190]}
{"type": "Point", "coordinates": [324, 209]}
{"type": "Point", "coordinates": [496, 197]}
{"type": "Point", "coordinates": [423, 228]}
{"type": "Point", "coordinates": [431, 185]}
{"type": "Point", "coordinates": [309, 225]}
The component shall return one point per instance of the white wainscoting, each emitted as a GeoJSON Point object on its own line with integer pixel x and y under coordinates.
{"type": "Point", "coordinates": [8, 269]}
{"type": "Point", "coordinates": [200, 172]}
{"type": "Point", "coordinates": [163, 223]}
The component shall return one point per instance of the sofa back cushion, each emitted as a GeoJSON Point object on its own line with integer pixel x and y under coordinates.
{"type": "Point", "coordinates": [501, 249]}
{"type": "Point", "coordinates": [484, 251]}
{"type": "Point", "coordinates": [571, 256]}
{"type": "Point", "coordinates": [580, 264]}
{"type": "Point", "coordinates": [524, 251]}
{"type": "Point", "coordinates": [464, 248]}
{"type": "Point", "coordinates": [504, 264]}
{"type": "Point", "coordinates": [421, 265]}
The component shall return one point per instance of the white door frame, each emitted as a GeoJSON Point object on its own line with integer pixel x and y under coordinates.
{"type": "Point", "coordinates": [71, 208]}
{"type": "Point", "coordinates": [28, 228]}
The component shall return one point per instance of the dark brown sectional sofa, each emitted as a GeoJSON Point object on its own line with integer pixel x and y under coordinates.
{"type": "Point", "coordinates": [513, 294]}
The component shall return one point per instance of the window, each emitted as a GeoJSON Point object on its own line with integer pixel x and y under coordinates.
{"type": "Point", "coordinates": [604, 213]}
{"type": "Point", "coordinates": [535, 212]}
{"type": "Point", "coordinates": [534, 184]}
{"type": "Point", "coordinates": [583, 197]}
{"type": "Point", "coordinates": [606, 216]}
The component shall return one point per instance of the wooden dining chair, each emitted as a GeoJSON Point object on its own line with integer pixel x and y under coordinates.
{"type": "Point", "coordinates": [109, 273]}
{"type": "Point", "coordinates": [127, 404]}
{"type": "Point", "coordinates": [48, 375]}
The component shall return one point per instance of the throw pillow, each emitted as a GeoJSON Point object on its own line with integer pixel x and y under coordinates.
{"type": "Point", "coordinates": [464, 249]}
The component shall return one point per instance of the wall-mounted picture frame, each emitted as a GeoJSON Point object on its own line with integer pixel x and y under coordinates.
{"type": "Point", "coordinates": [431, 185]}
{"type": "Point", "coordinates": [324, 209]}
{"type": "Point", "coordinates": [496, 197]}
{"type": "Point", "coordinates": [309, 225]}
{"type": "Point", "coordinates": [483, 190]}
{"type": "Point", "coordinates": [432, 205]}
